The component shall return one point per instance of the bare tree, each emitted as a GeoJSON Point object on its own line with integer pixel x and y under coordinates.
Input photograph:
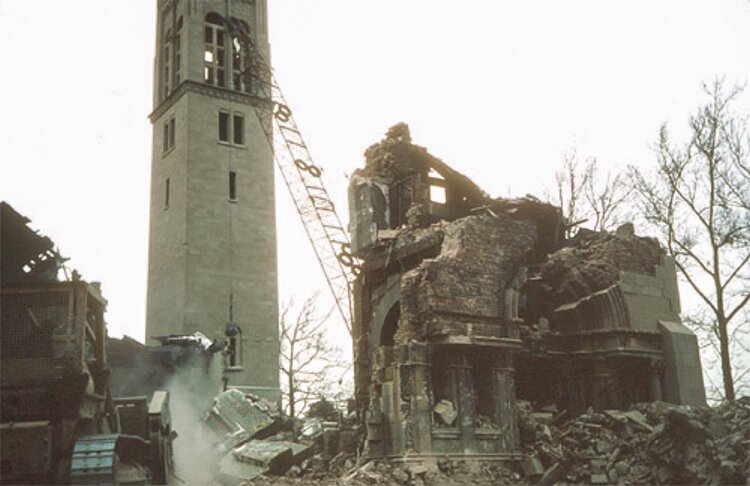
{"type": "Point", "coordinates": [606, 198]}
{"type": "Point", "coordinates": [697, 196]}
{"type": "Point", "coordinates": [586, 197]}
{"type": "Point", "coordinates": [570, 182]}
{"type": "Point", "coordinates": [308, 363]}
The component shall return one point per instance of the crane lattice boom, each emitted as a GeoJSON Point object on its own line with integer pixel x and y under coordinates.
{"type": "Point", "coordinates": [302, 176]}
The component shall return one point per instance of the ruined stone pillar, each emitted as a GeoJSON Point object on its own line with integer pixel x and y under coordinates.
{"type": "Point", "coordinates": [504, 393]}
{"type": "Point", "coordinates": [360, 346]}
{"type": "Point", "coordinates": [657, 371]}
{"type": "Point", "coordinates": [606, 386]}
{"type": "Point", "coordinates": [416, 410]}
{"type": "Point", "coordinates": [466, 399]}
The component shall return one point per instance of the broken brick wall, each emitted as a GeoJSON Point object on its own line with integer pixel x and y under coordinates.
{"type": "Point", "coordinates": [446, 302]}
{"type": "Point", "coordinates": [403, 185]}
{"type": "Point", "coordinates": [462, 290]}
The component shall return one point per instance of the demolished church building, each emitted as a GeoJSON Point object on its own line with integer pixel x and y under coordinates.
{"type": "Point", "coordinates": [466, 303]}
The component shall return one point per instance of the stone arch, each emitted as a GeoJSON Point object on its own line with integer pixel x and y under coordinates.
{"type": "Point", "coordinates": [390, 325]}
{"type": "Point", "coordinates": [214, 18]}
{"type": "Point", "coordinates": [381, 309]}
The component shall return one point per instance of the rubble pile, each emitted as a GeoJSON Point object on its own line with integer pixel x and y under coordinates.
{"type": "Point", "coordinates": [653, 443]}
{"type": "Point", "coordinates": [593, 260]}
{"type": "Point", "coordinates": [252, 441]}
{"type": "Point", "coordinates": [650, 443]}
{"type": "Point", "coordinates": [442, 472]}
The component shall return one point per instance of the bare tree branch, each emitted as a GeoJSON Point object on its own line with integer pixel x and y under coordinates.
{"type": "Point", "coordinates": [306, 359]}
{"type": "Point", "coordinates": [698, 199]}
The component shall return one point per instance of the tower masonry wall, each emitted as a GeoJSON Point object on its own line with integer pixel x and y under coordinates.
{"type": "Point", "coordinates": [212, 249]}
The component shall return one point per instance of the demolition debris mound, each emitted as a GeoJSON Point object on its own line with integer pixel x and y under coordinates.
{"type": "Point", "coordinates": [442, 472]}
{"type": "Point", "coordinates": [593, 260]}
{"type": "Point", "coordinates": [653, 443]}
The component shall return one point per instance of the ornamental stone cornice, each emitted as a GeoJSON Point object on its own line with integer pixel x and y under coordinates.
{"type": "Point", "coordinates": [205, 89]}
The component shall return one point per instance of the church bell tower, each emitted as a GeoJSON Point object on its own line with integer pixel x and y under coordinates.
{"type": "Point", "coordinates": [212, 240]}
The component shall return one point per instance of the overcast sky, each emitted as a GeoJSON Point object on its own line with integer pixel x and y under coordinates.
{"type": "Point", "coordinates": [500, 90]}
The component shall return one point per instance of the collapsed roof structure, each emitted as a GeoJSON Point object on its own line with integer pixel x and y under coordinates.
{"type": "Point", "coordinates": [467, 303]}
{"type": "Point", "coordinates": [27, 256]}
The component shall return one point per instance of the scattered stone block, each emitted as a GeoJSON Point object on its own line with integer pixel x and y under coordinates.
{"type": "Point", "coordinates": [552, 474]}
{"type": "Point", "coordinates": [532, 467]}
{"type": "Point", "coordinates": [234, 411]}
{"type": "Point", "coordinates": [300, 452]}
{"type": "Point", "coordinates": [274, 456]}
{"type": "Point", "coordinates": [446, 411]}
{"type": "Point", "coordinates": [233, 472]}
{"type": "Point", "coordinates": [639, 419]}
{"type": "Point", "coordinates": [599, 479]}
{"type": "Point", "coordinates": [312, 429]}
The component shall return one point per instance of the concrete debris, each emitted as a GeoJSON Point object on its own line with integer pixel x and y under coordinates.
{"type": "Point", "coordinates": [253, 442]}
{"type": "Point", "coordinates": [651, 443]}
{"type": "Point", "coordinates": [552, 475]}
{"type": "Point", "coordinates": [236, 417]}
{"type": "Point", "coordinates": [266, 457]}
{"type": "Point", "coordinates": [197, 339]}
{"type": "Point", "coordinates": [233, 472]}
{"type": "Point", "coordinates": [276, 456]}
{"type": "Point", "coordinates": [437, 472]}
{"type": "Point", "coordinates": [592, 261]}
{"type": "Point", "coordinates": [248, 441]}
{"type": "Point", "coordinates": [446, 412]}
{"type": "Point", "coordinates": [532, 466]}
{"type": "Point", "coordinates": [312, 429]}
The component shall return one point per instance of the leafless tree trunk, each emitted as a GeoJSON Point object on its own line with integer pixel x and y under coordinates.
{"type": "Point", "coordinates": [698, 196]}
{"type": "Point", "coordinates": [306, 359]}
{"type": "Point", "coordinates": [703, 322]}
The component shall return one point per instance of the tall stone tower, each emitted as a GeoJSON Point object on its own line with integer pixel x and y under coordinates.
{"type": "Point", "coordinates": [212, 242]}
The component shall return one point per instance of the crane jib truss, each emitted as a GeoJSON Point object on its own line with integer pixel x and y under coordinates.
{"type": "Point", "coordinates": [302, 176]}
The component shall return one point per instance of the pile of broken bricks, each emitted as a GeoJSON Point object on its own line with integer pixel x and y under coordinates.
{"type": "Point", "coordinates": [653, 443]}
{"type": "Point", "coordinates": [253, 442]}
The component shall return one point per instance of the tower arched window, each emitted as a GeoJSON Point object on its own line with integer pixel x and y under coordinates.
{"type": "Point", "coordinates": [214, 53]}
{"type": "Point", "coordinates": [169, 49]}
{"type": "Point", "coordinates": [170, 28]}
{"type": "Point", "coordinates": [167, 56]}
{"type": "Point", "coordinates": [177, 54]}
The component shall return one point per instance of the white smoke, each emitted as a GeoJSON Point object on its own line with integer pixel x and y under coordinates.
{"type": "Point", "coordinates": [191, 391]}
